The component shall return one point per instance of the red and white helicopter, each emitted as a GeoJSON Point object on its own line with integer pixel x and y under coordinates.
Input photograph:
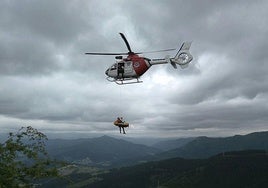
{"type": "Point", "coordinates": [128, 70]}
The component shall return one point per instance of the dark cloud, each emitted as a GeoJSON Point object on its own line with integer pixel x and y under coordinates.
{"type": "Point", "coordinates": [46, 79]}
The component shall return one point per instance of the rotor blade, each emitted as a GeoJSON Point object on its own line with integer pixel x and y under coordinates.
{"type": "Point", "coordinates": [124, 53]}
{"type": "Point", "coordinates": [156, 51]}
{"type": "Point", "coordinates": [96, 53]}
{"type": "Point", "coordinates": [128, 46]}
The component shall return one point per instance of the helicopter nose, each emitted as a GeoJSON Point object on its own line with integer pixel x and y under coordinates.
{"type": "Point", "coordinates": [106, 72]}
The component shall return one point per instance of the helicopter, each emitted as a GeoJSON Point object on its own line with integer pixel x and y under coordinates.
{"type": "Point", "coordinates": [128, 70]}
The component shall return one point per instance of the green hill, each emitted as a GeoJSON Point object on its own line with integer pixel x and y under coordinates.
{"type": "Point", "coordinates": [232, 169]}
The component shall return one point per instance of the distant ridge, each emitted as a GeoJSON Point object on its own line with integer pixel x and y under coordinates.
{"type": "Point", "coordinates": [100, 151]}
{"type": "Point", "coordinates": [172, 144]}
{"type": "Point", "coordinates": [204, 147]}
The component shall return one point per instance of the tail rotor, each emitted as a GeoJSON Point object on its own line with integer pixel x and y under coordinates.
{"type": "Point", "coordinates": [183, 57]}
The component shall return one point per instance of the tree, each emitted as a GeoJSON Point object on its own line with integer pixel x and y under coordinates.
{"type": "Point", "coordinates": [23, 159]}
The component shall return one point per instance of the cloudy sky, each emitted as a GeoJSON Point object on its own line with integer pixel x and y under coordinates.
{"type": "Point", "coordinates": [47, 82]}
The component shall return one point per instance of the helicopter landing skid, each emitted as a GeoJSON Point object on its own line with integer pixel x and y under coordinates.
{"type": "Point", "coordinates": [123, 81]}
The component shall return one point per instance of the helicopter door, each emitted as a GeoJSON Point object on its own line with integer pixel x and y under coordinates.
{"type": "Point", "coordinates": [128, 67]}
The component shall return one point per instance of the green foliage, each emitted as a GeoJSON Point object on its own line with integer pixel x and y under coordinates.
{"type": "Point", "coordinates": [23, 159]}
{"type": "Point", "coordinates": [229, 169]}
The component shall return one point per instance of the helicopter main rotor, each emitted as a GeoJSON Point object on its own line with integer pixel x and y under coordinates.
{"type": "Point", "coordinates": [126, 42]}
{"type": "Point", "coordinates": [129, 49]}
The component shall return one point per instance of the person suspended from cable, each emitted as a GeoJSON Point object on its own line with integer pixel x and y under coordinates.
{"type": "Point", "coordinates": [121, 124]}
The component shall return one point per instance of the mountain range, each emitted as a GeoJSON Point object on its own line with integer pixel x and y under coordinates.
{"type": "Point", "coordinates": [237, 169]}
{"type": "Point", "coordinates": [102, 151]}
{"type": "Point", "coordinates": [111, 152]}
{"type": "Point", "coordinates": [236, 161]}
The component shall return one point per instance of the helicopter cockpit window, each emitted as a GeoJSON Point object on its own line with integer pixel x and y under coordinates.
{"type": "Point", "coordinates": [114, 67]}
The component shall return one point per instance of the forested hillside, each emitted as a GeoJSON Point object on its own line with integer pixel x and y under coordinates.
{"type": "Point", "coordinates": [232, 169]}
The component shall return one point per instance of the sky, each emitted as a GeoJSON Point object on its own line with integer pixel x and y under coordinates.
{"type": "Point", "coordinates": [48, 83]}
